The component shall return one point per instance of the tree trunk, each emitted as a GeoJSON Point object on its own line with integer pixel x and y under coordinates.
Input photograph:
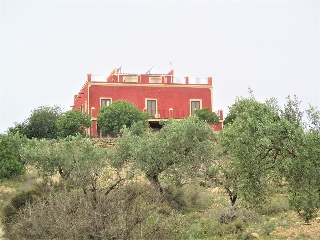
{"type": "Point", "coordinates": [154, 179]}
{"type": "Point", "coordinates": [233, 199]}
{"type": "Point", "coordinates": [232, 196]}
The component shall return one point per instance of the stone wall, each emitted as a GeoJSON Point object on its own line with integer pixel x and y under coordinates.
{"type": "Point", "coordinates": [104, 142]}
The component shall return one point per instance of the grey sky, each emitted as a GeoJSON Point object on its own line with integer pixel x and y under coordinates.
{"type": "Point", "coordinates": [48, 47]}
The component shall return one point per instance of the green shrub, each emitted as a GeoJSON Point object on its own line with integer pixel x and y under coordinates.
{"type": "Point", "coordinates": [201, 226]}
{"type": "Point", "coordinates": [175, 197]}
{"type": "Point", "coordinates": [187, 198]}
{"type": "Point", "coordinates": [197, 198]}
{"type": "Point", "coordinates": [71, 123]}
{"type": "Point", "coordinates": [158, 226]}
{"type": "Point", "coordinates": [11, 164]}
{"type": "Point", "coordinates": [112, 118]}
{"type": "Point", "coordinates": [234, 227]}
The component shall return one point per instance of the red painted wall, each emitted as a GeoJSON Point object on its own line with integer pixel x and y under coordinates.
{"type": "Point", "coordinates": [82, 97]}
{"type": "Point", "coordinates": [167, 94]}
{"type": "Point", "coordinates": [219, 126]}
{"type": "Point", "coordinates": [177, 98]}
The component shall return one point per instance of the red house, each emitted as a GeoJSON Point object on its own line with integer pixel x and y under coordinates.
{"type": "Point", "coordinates": [163, 96]}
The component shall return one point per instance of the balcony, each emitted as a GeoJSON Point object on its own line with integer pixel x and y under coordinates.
{"type": "Point", "coordinates": [169, 113]}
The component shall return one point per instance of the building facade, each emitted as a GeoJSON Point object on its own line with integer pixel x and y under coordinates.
{"type": "Point", "coordinates": [163, 96]}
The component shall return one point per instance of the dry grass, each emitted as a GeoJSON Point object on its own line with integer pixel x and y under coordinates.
{"type": "Point", "coordinates": [295, 228]}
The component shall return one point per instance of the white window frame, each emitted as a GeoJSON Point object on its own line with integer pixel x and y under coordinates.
{"type": "Point", "coordinates": [146, 106]}
{"type": "Point", "coordinates": [190, 104]}
{"type": "Point", "coordinates": [155, 79]}
{"type": "Point", "coordinates": [105, 98]}
{"type": "Point", "coordinates": [133, 79]}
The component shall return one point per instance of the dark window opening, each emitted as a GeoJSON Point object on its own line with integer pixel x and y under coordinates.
{"type": "Point", "coordinates": [194, 105]}
{"type": "Point", "coordinates": [105, 102]}
{"type": "Point", "coordinates": [152, 107]}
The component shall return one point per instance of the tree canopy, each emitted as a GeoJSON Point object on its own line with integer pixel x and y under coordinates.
{"type": "Point", "coordinates": [42, 123]}
{"type": "Point", "coordinates": [118, 114]}
{"type": "Point", "coordinates": [268, 145]}
{"type": "Point", "coordinates": [207, 116]}
{"type": "Point", "coordinates": [248, 143]}
{"type": "Point", "coordinates": [179, 148]}
{"type": "Point", "coordinates": [72, 122]}
{"type": "Point", "coordinates": [79, 163]}
{"type": "Point", "coordinates": [10, 161]}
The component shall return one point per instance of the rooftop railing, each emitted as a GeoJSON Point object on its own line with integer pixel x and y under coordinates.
{"type": "Point", "coordinates": [98, 78]}
{"type": "Point", "coordinates": [154, 79]}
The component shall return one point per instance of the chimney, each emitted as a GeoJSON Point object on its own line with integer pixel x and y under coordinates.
{"type": "Point", "coordinates": [89, 77]}
{"type": "Point", "coordinates": [187, 80]}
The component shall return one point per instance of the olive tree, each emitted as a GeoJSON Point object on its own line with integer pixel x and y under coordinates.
{"type": "Point", "coordinates": [302, 173]}
{"type": "Point", "coordinates": [301, 149]}
{"type": "Point", "coordinates": [266, 145]}
{"type": "Point", "coordinates": [77, 161]}
{"type": "Point", "coordinates": [249, 145]}
{"type": "Point", "coordinates": [180, 148]}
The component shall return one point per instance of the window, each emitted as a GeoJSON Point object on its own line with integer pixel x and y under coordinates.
{"type": "Point", "coordinates": [194, 105]}
{"type": "Point", "coordinates": [152, 107]}
{"type": "Point", "coordinates": [130, 79]}
{"type": "Point", "coordinates": [155, 79]}
{"type": "Point", "coordinates": [105, 102]}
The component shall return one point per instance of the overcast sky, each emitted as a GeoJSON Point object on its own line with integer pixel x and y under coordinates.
{"type": "Point", "coordinates": [48, 47]}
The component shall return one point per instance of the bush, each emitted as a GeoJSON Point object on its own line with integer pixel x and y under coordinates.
{"type": "Point", "coordinates": [71, 123]}
{"type": "Point", "coordinates": [175, 197]}
{"type": "Point", "coordinates": [229, 214]}
{"type": "Point", "coordinates": [237, 226]}
{"type": "Point", "coordinates": [42, 123]}
{"type": "Point", "coordinates": [18, 202]}
{"type": "Point", "coordinates": [234, 213]}
{"type": "Point", "coordinates": [10, 162]}
{"type": "Point", "coordinates": [207, 226]}
{"type": "Point", "coordinates": [112, 118]}
{"type": "Point", "coordinates": [206, 115]}
{"type": "Point", "coordinates": [158, 226]}
{"type": "Point", "coordinates": [197, 198]}
{"type": "Point", "coordinates": [187, 198]}
{"type": "Point", "coordinates": [121, 214]}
